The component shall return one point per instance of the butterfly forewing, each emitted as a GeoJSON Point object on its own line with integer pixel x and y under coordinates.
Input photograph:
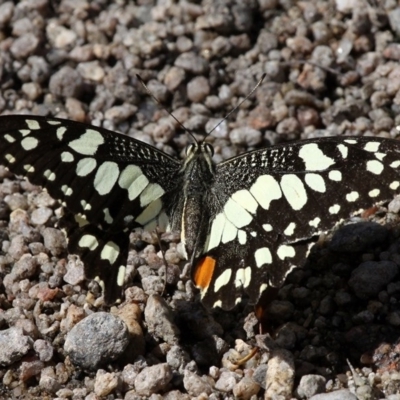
{"type": "Point", "coordinates": [275, 200]}
{"type": "Point", "coordinates": [110, 182]}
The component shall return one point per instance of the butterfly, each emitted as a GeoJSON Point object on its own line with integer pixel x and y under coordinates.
{"type": "Point", "coordinates": [245, 223]}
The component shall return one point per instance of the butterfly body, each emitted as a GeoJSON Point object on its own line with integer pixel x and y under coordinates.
{"type": "Point", "coordinates": [245, 223]}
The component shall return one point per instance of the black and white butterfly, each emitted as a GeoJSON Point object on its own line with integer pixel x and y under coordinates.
{"type": "Point", "coordinates": [243, 222]}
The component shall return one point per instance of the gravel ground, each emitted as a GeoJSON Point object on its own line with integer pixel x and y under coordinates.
{"type": "Point", "coordinates": [332, 68]}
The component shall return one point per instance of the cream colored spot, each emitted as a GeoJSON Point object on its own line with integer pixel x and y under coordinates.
{"type": "Point", "coordinates": [314, 158]}
{"type": "Point", "coordinates": [267, 227]}
{"type": "Point", "coordinates": [86, 166]}
{"type": "Point", "coordinates": [395, 164]}
{"type": "Point", "coordinates": [9, 138]}
{"type": "Point", "coordinates": [229, 233]}
{"type": "Point", "coordinates": [290, 229]}
{"type": "Point", "coordinates": [88, 241]}
{"type": "Point", "coordinates": [266, 189]}
{"type": "Point", "coordinates": [150, 193]}
{"type": "Point", "coordinates": [334, 209]}
{"type": "Point", "coordinates": [60, 132]}
{"type": "Point", "coordinates": [394, 185]}
{"type": "Point", "coordinates": [372, 147]}
{"type": "Point", "coordinates": [110, 252]}
{"type": "Point", "coordinates": [106, 176]}
{"type": "Point", "coordinates": [375, 167]}
{"type": "Point", "coordinates": [344, 150]}
{"type": "Point", "coordinates": [374, 193]}
{"type": "Point", "coordinates": [263, 256]}
{"type": "Point", "coordinates": [223, 279]}
{"type": "Point", "coordinates": [10, 158]}
{"type": "Point", "coordinates": [25, 132]}
{"type": "Point", "coordinates": [294, 191]}
{"type": "Point", "coordinates": [66, 190]}
{"type": "Point", "coordinates": [352, 196]}
{"type": "Point", "coordinates": [29, 143]}
{"type": "Point", "coordinates": [150, 212]}
{"type": "Point", "coordinates": [132, 179]}
{"type": "Point", "coordinates": [217, 229]}
{"type": "Point", "coordinates": [66, 156]}
{"type": "Point", "coordinates": [107, 216]}
{"type": "Point", "coordinates": [237, 214]}
{"type": "Point", "coordinates": [51, 176]}
{"type": "Point", "coordinates": [315, 182]}
{"type": "Point", "coordinates": [246, 200]}
{"type": "Point", "coordinates": [32, 124]}
{"type": "Point", "coordinates": [88, 143]}
{"type": "Point", "coordinates": [242, 237]}
{"type": "Point", "coordinates": [29, 168]}
{"type": "Point", "coordinates": [315, 222]}
{"type": "Point", "coordinates": [285, 251]}
{"type": "Point", "coordinates": [335, 175]}
{"type": "Point", "coordinates": [121, 275]}
{"type": "Point", "coordinates": [243, 277]}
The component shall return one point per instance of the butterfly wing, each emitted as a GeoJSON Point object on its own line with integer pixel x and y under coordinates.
{"type": "Point", "coordinates": [276, 199]}
{"type": "Point", "coordinates": [109, 182]}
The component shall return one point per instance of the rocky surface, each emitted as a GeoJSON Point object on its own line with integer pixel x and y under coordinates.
{"type": "Point", "coordinates": [332, 68]}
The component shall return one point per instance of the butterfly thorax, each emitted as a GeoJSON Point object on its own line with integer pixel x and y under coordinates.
{"type": "Point", "coordinates": [198, 172]}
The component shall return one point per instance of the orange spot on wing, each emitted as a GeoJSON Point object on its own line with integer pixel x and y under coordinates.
{"type": "Point", "coordinates": [203, 272]}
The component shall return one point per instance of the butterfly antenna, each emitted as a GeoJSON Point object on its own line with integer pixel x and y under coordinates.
{"type": "Point", "coordinates": [235, 108]}
{"type": "Point", "coordinates": [162, 106]}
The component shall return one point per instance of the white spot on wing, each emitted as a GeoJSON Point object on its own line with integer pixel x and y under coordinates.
{"type": "Point", "coordinates": [66, 156]}
{"type": "Point", "coordinates": [335, 175]}
{"type": "Point", "coordinates": [106, 176]}
{"type": "Point", "coordinates": [265, 189]}
{"type": "Point", "coordinates": [60, 132]}
{"type": "Point", "coordinates": [86, 166]}
{"type": "Point", "coordinates": [380, 156]}
{"type": "Point", "coordinates": [372, 147]}
{"type": "Point", "coordinates": [32, 124]}
{"type": "Point", "coordinates": [315, 182]}
{"type": "Point", "coordinates": [267, 227]}
{"type": "Point", "coordinates": [352, 196]}
{"type": "Point", "coordinates": [246, 200]}
{"type": "Point", "coordinates": [395, 164]}
{"type": "Point", "coordinates": [343, 150]}
{"type": "Point", "coordinates": [351, 141]}
{"type": "Point", "coordinates": [229, 233]}
{"type": "Point", "coordinates": [263, 256]}
{"type": "Point", "coordinates": [121, 275]}
{"type": "Point", "coordinates": [285, 251]}
{"type": "Point", "coordinates": [223, 279]}
{"type": "Point", "coordinates": [66, 190]}
{"type": "Point", "coordinates": [394, 185]}
{"type": "Point", "coordinates": [314, 158]}
{"type": "Point", "coordinates": [150, 212]}
{"type": "Point", "coordinates": [243, 277]}
{"type": "Point", "coordinates": [10, 158]}
{"type": "Point", "coordinates": [107, 216]}
{"type": "Point", "coordinates": [290, 229]}
{"type": "Point", "coordinates": [150, 193]}
{"type": "Point", "coordinates": [9, 138]}
{"type": "Point", "coordinates": [315, 222]}
{"type": "Point", "coordinates": [88, 241]}
{"type": "Point", "coordinates": [375, 167]}
{"type": "Point", "coordinates": [110, 252]}
{"type": "Point", "coordinates": [242, 237]}
{"type": "Point", "coordinates": [237, 214]}
{"type": "Point", "coordinates": [88, 143]}
{"type": "Point", "coordinates": [294, 191]}
{"type": "Point", "coordinates": [374, 193]}
{"type": "Point", "coordinates": [25, 132]}
{"type": "Point", "coordinates": [51, 176]}
{"type": "Point", "coordinates": [29, 143]}
{"type": "Point", "coordinates": [133, 180]}
{"type": "Point", "coordinates": [334, 209]}
{"type": "Point", "coordinates": [217, 229]}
